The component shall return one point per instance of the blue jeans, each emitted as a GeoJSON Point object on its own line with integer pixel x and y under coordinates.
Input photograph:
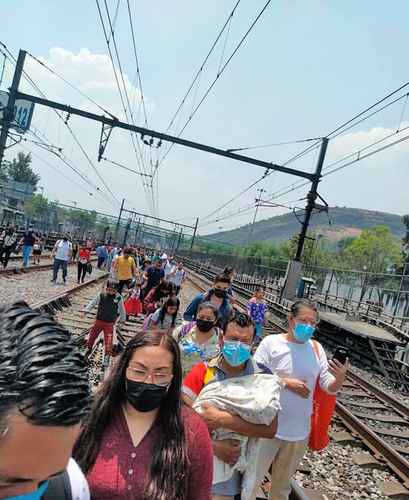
{"type": "Point", "coordinates": [56, 267]}
{"type": "Point", "coordinates": [259, 328]}
{"type": "Point", "coordinates": [27, 249]}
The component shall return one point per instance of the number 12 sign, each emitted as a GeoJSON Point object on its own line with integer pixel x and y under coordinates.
{"type": "Point", "coordinates": [23, 112]}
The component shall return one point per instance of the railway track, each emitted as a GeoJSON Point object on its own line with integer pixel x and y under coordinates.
{"type": "Point", "coordinates": [297, 492]}
{"type": "Point", "coordinates": [13, 269]}
{"type": "Point", "coordinates": [67, 307]}
{"type": "Point", "coordinates": [372, 416]}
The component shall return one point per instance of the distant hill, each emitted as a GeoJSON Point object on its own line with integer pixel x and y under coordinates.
{"type": "Point", "coordinates": [343, 222]}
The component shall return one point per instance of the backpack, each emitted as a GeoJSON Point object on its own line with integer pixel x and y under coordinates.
{"type": "Point", "coordinates": [323, 410]}
{"type": "Point", "coordinates": [59, 487]}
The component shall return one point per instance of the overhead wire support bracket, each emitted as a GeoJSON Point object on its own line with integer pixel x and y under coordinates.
{"type": "Point", "coordinates": [106, 131]}
{"type": "Point", "coordinates": [319, 207]}
{"type": "Point", "coordinates": [166, 137]}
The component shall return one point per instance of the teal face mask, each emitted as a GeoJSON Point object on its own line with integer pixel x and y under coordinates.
{"type": "Point", "coordinates": [236, 353]}
{"type": "Point", "coordinates": [34, 495]}
{"type": "Point", "coordinates": [303, 332]}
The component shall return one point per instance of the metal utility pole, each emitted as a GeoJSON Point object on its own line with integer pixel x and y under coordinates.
{"type": "Point", "coordinates": [194, 234]}
{"type": "Point", "coordinates": [8, 114]}
{"type": "Point", "coordinates": [294, 268]}
{"type": "Point", "coordinates": [127, 228]}
{"type": "Point", "coordinates": [311, 199]}
{"type": "Point", "coordinates": [137, 230]}
{"type": "Point", "coordinates": [260, 191]}
{"type": "Point", "coordinates": [119, 219]}
{"type": "Point", "coordinates": [179, 239]}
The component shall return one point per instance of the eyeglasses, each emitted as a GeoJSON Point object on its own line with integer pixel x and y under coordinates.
{"type": "Point", "coordinates": [140, 375]}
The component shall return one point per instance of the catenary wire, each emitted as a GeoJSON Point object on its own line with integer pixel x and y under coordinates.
{"type": "Point", "coordinates": [206, 94]}
{"type": "Point", "coordinates": [123, 92]}
{"type": "Point", "coordinates": [35, 86]}
{"type": "Point", "coordinates": [200, 70]}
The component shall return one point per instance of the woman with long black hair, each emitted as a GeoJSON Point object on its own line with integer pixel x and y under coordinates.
{"type": "Point", "coordinates": [164, 317]}
{"type": "Point", "coordinates": [139, 442]}
{"type": "Point", "coordinates": [154, 299]}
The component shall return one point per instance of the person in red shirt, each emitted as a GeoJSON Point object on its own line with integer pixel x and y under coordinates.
{"type": "Point", "coordinates": [140, 442]}
{"type": "Point", "coordinates": [83, 261]}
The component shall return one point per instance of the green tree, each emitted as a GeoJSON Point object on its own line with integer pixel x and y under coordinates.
{"type": "Point", "coordinates": [405, 239]}
{"type": "Point", "coordinates": [3, 171]}
{"type": "Point", "coordinates": [344, 243]}
{"type": "Point", "coordinates": [37, 207]}
{"type": "Point", "coordinates": [19, 170]}
{"type": "Point", "coordinates": [315, 252]}
{"type": "Point", "coordinates": [375, 250]}
{"type": "Point", "coordinates": [85, 221]}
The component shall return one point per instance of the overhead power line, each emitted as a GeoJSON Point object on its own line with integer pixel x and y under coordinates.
{"type": "Point", "coordinates": [138, 70]}
{"type": "Point", "coordinates": [71, 85]}
{"type": "Point", "coordinates": [285, 143]}
{"type": "Point", "coordinates": [123, 92]}
{"type": "Point", "coordinates": [334, 133]}
{"type": "Point", "coordinates": [219, 74]}
{"type": "Point", "coordinates": [203, 64]}
{"type": "Point", "coordinates": [59, 115]}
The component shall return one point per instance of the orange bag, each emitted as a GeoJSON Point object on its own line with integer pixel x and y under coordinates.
{"type": "Point", "coordinates": [323, 410]}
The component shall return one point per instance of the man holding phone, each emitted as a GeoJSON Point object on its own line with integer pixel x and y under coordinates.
{"type": "Point", "coordinates": [299, 362]}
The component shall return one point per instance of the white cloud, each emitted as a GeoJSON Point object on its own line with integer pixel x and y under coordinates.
{"type": "Point", "coordinates": [92, 74]}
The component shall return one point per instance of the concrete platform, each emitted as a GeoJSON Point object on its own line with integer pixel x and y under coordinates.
{"type": "Point", "coordinates": [360, 328]}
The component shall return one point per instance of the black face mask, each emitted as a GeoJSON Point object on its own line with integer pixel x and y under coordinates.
{"type": "Point", "coordinates": [204, 325]}
{"type": "Point", "coordinates": [220, 294]}
{"type": "Point", "coordinates": [144, 397]}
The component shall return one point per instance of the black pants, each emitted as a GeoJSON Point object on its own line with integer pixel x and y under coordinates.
{"type": "Point", "coordinates": [5, 255]}
{"type": "Point", "coordinates": [82, 271]}
{"type": "Point", "coordinates": [101, 261]}
{"type": "Point", "coordinates": [122, 283]}
{"type": "Point", "coordinates": [59, 263]}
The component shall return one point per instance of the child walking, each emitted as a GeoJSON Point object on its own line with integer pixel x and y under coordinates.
{"type": "Point", "coordinates": [110, 306]}
{"type": "Point", "coordinates": [164, 317]}
{"type": "Point", "coordinates": [256, 309]}
{"type": "Point", "coordinates": [133, 304]}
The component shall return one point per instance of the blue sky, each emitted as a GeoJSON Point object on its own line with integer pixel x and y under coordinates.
{"type": "Point", "coordinates": [306, 67]}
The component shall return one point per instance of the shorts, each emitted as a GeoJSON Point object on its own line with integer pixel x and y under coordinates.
{"type": "Point", "coordinates": [36, 252]}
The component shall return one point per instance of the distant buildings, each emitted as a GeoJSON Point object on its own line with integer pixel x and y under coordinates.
{"type": "Point", "coordinates": [13, 195]}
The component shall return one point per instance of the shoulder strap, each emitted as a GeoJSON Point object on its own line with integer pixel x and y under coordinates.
{"type": "Point", "coordinates": [59, 487]}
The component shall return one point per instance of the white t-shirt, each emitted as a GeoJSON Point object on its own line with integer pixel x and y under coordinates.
{"type": "Point", "coordinates": [292, 360]}
{"type": "Point", "coordinates": [79, 485]}
{"type": "Point", "coordinates": [177, 278]}
{"type": "Point", "coordinates": [63, 250]}
{"type": "Point", "coordinates": [168, 268]}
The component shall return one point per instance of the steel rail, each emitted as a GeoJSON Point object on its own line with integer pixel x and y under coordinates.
{"type": "Point", "coordinates": [379, 446]}
{"type": "Point", "coordinates": [382, 450]}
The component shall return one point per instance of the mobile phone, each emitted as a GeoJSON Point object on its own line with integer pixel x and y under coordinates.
{"type": "Point", "coordinates": [341, 354]}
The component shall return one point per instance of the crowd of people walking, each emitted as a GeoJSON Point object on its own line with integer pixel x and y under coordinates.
{"type": "Point", "coordinates": [199, 405]}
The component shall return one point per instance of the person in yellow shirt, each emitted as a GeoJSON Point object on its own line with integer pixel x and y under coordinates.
{"type": "Point", "coordinates": [125, 269]}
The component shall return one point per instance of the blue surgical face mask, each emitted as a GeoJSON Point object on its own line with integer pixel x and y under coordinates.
{"type": "Point", "coordinates": [34, 495]}
{"type": "Point", "coordinates": [303, 332]}
{"type": "Point", "coordinates": [236, 353]}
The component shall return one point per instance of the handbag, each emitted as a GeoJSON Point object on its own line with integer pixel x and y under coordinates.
{"type": "Point", "coordinates": [89, 268]}
{"type": "Point", "coordinates": [323, 410]}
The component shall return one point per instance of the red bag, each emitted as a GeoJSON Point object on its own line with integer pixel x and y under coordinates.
{"type": "Point", "coordinates": [323, 410]}
{"type": "Point", "coordinates": [133, 306]}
